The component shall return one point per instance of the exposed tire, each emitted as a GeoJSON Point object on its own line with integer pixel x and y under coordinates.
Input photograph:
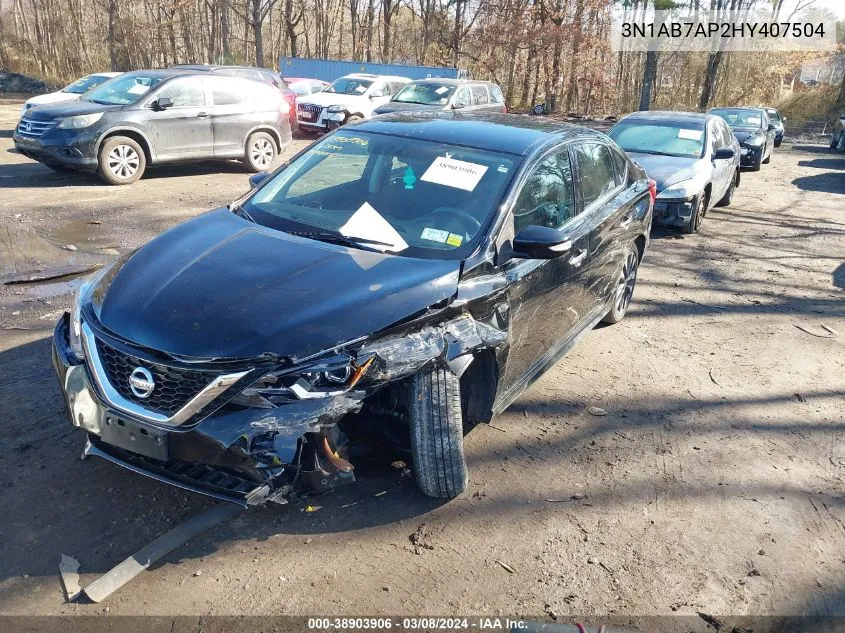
{"type": "Point", "coordinates": [352, 118]}
{"type": "Point", "coordinates": [437, 434]}
{"type": "Point", "coordinates": [778, 142]}
{"type": "Point", "coordinates": [695, 219]}
{"type": "Point", "coordinates": [260, 152]}
{"type": "Point", "coordinates": [121, 161]}
{"type": "Point", "coordinates": [625, 284]}
{"type": "Point", "coordinates": [729, 194]}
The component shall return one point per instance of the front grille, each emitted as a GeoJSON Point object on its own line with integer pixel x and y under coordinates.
{"type": "Point", "coordinates": [33, 129]}
{"type": "Point", "coordinates": [309, 107]}
{"type": "Point", "coordinates": [174, 386]}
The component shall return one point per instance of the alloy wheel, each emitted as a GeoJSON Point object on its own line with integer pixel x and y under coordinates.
{"type": "Point", "coordinates": [627, 281]}
{"type": "Point", "coordinates": [700, 211]}
{"type": "Point", "coordinates": [123, 161]}
{"type": "Point", "coordinates": [261, 153]}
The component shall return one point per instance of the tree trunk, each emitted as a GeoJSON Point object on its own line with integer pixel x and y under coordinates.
{"type": "Point", "coordinates": [112, 45]}
{"type": "Point", "coordinates": [649, 76]}
{"type": "Point", "coordinates": [709, 89]}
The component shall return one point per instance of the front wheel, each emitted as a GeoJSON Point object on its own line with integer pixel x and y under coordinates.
{"type": "Point", "coordinates": [625, 283]}
{"type": "Point", "coordinates": [260, 152]}
{"type": "Point", "coordinates": [437, 433]}
{"type": "Point", "coordinates": [697, 215]}
{"type": "Point", "coordinates": [121, 161]}
{"type": "Point", "coordinates": [778, 142]}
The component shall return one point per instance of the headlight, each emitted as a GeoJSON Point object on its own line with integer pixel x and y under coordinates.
{"type": "Point", "coordinates": [683, 189]}
{"type": "Point", "coordinates": [336, 108]}
{"type": "Point", "coordinates": [24, 108]}
{"type": "Point", "coordinates": [331, 376]}
{"type": "Point", "coordinates": [79, 298]}
{"type": "Point", "coordinates": [754, 141]}
{"type": "Point", "coordinates": [79, 122]}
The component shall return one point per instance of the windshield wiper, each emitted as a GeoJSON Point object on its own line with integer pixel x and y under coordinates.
{"type": "Point", "coordinates": [338, 238]}
{"type": "Point", "coordinates": [241, 212]}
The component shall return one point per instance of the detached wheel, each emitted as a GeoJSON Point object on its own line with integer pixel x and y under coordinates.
{"type": "Point", "coordinates": [260, 152]}
{"type": "Point", "coordinates": [353, 118]}
{"type": "Point", "coordinates": [121, 161]}
{"type": "Point", "coordinates": [729, 194]}
{"type": "Point", "coordinates": [625, 284]}
{"type": "Point", "coordinates": [697, 215]}
{"type": "Point", "coordinates": [437, 433]}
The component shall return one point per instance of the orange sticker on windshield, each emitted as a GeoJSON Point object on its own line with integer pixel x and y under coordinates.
{"type": "Point", "coordinates": [454, 240]}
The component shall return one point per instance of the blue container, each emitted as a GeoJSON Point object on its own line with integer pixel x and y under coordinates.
{"type": "Point", "coordinates": [329, 69]}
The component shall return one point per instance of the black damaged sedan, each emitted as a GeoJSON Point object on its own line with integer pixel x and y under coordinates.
{"type": "Point", "coordinates": [410, 275]}
{"type": "Point", "coordinates": [754, 132]}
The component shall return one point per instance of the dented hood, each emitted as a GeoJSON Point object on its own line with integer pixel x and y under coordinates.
{"type": "Point", "coordinates": [219, 286]}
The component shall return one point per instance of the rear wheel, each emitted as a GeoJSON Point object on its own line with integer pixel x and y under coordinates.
{"type": "Point", "coordinates": [121, 161]}
{"type": "Point", "coordinates": [768, 158]}
{"type": "Point", "coordinates": [260, 152]}
{"type": "Point", "coordinates": [778, 142]}
{"type": "Point", "coordinates": [625, 283]}
{"type": "Point", "coordinates": [437, 434]}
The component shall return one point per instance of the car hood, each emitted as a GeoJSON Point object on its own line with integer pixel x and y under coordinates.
{"type": "Point", "coordinates": [668, 170]}
{"type": "Point", "coordinates": [325, 99]}
{"type": "Point", "coordinates": [52, 97]}
{"type": "Point", "coordinates": [62, 110]}
{"type": "Point", "coordinates": [742, 134]}
{"type": "Point", "coordinates": [398, 106]}
{"type": "Point", "coordinates": [220, 286]}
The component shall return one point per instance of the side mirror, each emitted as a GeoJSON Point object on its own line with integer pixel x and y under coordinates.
{"type": "Point", "coordinates": [540, 242]}
{"type": "Point", "coordinates": [458, 105]}
{"type": "Point", "coordinates": [257, 179]}
{"type": "Point", "coordinates": [783, 119]}
{"type": "Point", "coordinates": [162, 103]}
{"type": "Point", "coordinates": [724, 153]}
{"type": "Point", "coordinates": [772, 127]}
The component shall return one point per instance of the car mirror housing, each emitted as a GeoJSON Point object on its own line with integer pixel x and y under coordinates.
{"type": "Point", "coordinates": [724, 153]}
{"type": "Point", "coordinates": [540, 242]}
{"type": "Point", "coordinates": [458, 105]}
{"type": "Point", "coordinates": [257, 179]}
{"type": "Point", "coordinates": [162, 103]}
{"type": "Point", "coordinates": [772, 126]}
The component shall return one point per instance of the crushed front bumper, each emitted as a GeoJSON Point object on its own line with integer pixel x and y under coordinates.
{"type": "Point", "coordinates": [237, 454]}
{"type": "Point", "coordinates": [63, 147]}
{"type": "Point", "coordinates": [671, 212]}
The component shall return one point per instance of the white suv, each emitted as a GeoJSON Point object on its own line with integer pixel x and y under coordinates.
{"type": "Point", "coordinates": [350, 98]}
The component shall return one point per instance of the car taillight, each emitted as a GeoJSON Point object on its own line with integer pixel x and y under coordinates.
{"type": "Point", "coordinates": [652, 190]}
{"type": "Point", "coordinates": [504, 109]}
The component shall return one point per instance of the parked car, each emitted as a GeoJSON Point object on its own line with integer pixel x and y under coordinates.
{"type": "Point", "coordinates": [754, 132]}
{"type": "Point", "coordinates": [446, 94]}
{"type": "Point", "coordinates": [154, 117]}
{"type": "Point", "coordinates": [257, 74]}
{"type": "Point", "coordinates": [410, 275]}
{"type": "Point", "coordinates": [303, 86]}
{"type": "Point", "coordinates": [693, 158]}
{"type": "Point", "coordinates": [837, 137]}
{"type": "Point", "coordinates": [71, 92]}
{"type": "Point", "coordinates": [348, 99]}
{"type": "Point", "coordinates": [778, 121]}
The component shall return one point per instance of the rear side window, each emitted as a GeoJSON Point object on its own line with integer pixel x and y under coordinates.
{"type": "Point", "coordinates": [463, 96]}
{"type": "Point", "coordinates": [547, 197]}
{"type": "Point", "coordinates": [480, 96]}
{"type": "Point", "coordinates": [596, 171]}
{"type": "Point", "coordinates": [226, 92]}
{"type": "Point", "coordinates": [496, 93]}
{"type": "Point", "coordinates": [186, 92]}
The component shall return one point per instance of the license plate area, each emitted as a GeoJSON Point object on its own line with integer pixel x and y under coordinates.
{"type": "Point", "coordinates": [306, 116]}
{"type": "Point", "coordinates": [133, 437]}
{"type": "Point", "coordinates": [743, 152]}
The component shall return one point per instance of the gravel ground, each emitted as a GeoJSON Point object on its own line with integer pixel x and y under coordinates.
{"type": "Point", "coordinates": [713, 484]}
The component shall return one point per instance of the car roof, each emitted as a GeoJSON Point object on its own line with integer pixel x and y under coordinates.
{"type": "Point", "coordinates": [504, 133]}
{"type": "Point", "coordinates": [450, 81]}
{"type": "Point", "coordinates": [675, 116]}
{"type": "Point", "coordinates": [736, 108]}
{"type": "Point", "coordinates": [371, 76]}
{"type": "Point", "coordinates": [295, 79]}
{"type": "Point", "coordinates": [105, 74]}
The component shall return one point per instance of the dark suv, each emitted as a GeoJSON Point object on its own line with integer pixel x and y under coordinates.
{"type": "Point", "coordinates": [410, 275]}
{"type": "Point", "coordinates": [158, 116]}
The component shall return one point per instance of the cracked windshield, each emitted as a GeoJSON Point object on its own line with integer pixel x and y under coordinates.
{"type": "Point", "coordinates": [386, 193]}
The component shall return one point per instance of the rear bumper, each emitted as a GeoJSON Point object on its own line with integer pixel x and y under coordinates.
{"type": "Point", "coordinates": [238, 454]}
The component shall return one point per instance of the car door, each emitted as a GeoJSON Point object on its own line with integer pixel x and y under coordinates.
{"type": "Point", "coordinates": [231, 113]}
{"type": "Point", "coordinates": [722, 167]}
{"type": "Point", "coordinates": [182, 130]}
{"type": "Point", "coordinates": [462, 99]}
{"type": "Point", "coordinates": [546, 296]}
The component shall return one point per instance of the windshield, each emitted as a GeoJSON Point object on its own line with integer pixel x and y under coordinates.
{"type": "Point", "coordinates": [85, 84]}
{"type": "Point", "coordinates": [349, 86]}
{"type": "Point", "coordinates": [425, 94]}
{"type": "Point", "coordinates": [774, 116]}
{"type": "Point", "coordinates": [736, 117]}
{"type": "Point", "coordinates": [387, 193]}
{"type": "Point", "coordinates": [660, 137]}
{"type": "Point", "coordinates": [125, 89]}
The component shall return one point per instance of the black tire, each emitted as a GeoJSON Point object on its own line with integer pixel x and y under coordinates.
{"type": "Point", "coordinates": [729, 194]}
{"type": "Point", "coordinates": [437, 433]}
{"type": "Point", "coordinates": [840, 144]}
{"type": "Point", "coordinates": [352, 118]}
{"type": "Point", "coordinates": [778, 142]}
{"type": "Point", "coordinates": [697, 216]}
{"type": "Point", "coordinates": [833, 141]}
{"type": "Point", "coordinates": [121, 161]}
{"type": "Point", "coordinates": [260, 152]}
{"type": "Point", "coordinates": [625, 284]}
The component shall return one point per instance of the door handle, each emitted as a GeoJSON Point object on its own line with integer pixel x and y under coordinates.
{"type": "Point", "coordinates": [202, 115]}
{"type": "Point", "coordinates": [577, 259]}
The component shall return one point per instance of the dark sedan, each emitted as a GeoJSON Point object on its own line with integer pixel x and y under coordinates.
{"type": "Point", "coordinates": [754, 132]}
{"type": "Point", "coordinates": [409, 275]}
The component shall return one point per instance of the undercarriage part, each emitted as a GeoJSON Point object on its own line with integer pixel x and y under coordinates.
{"type": "Point", "coordinates": [318, 474]}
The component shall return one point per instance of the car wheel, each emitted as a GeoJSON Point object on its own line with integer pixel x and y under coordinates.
{"type": "Point", "coordinates": [352, 118]}
{"type": "Point", "coordinates": [697, 215]}
{"type": "Point", "coordinates": [625, 283]}
{"type": "Point", "coordinates": [840, 145]}
{"type": "Point", "coordinates": [437, 433]}
{"type": "Point", "coordinates": [729, 194]}
{"type": "Point", "coordinates": [260, 152]}
{"type": "Point", "coordinates": [778, 142]}
{"type": "Point", "coordinates": [122, 161]}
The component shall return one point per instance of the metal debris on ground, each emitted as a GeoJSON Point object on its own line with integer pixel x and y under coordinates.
{"type": "Point", "coordinates": [506, 567]}
{"type": "Point", "coordinates": [832, 333]}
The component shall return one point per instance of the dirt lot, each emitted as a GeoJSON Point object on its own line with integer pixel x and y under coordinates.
{"type": "Point", "coordinates": [714, 484]}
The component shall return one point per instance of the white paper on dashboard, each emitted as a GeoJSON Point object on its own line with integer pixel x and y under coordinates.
{"type": "Point", "coordinates": [138, 89]}
{"type": "Point", "coordinates": [442, 89]}
{"type": "Point", "coordinates": [692, 135]}
{"type": "Point", "coordinates": [754, 120]}
{"type": "Point", "coordinates": [454, 173]}
{"type": "Point", "coordinates": [368, 224]}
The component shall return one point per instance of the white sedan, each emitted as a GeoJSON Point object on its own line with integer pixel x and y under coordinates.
{"type": "Point", "coordinates": [69, 93]}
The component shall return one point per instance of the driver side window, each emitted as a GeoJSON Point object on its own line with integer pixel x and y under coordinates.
{"type": "Point", "coordinates": [546, 198]}
{"type": "Point", "coordinates": [186, 92]}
